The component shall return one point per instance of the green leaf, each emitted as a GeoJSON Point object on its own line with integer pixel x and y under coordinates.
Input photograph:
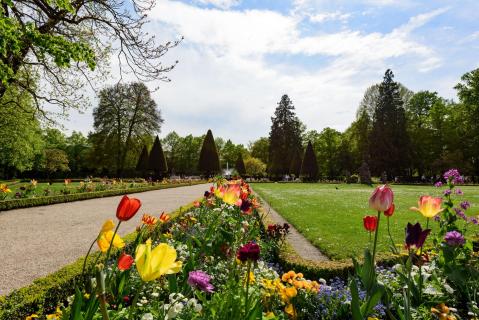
{"type": "Point", "coordinates": [77, 304]}
{"type": "Point", "coordinates": [355, 308]}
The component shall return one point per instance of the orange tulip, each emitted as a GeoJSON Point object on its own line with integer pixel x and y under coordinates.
{"type": "Point", "coordinates": [429, 206]}
{"type": "Point", "coordinates": [127, 208]}
{"type": "Point", "coordinates": [164, 217]}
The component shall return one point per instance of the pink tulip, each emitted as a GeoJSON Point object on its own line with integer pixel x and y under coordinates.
{"type": "Point", "coordinates": [381, 199]}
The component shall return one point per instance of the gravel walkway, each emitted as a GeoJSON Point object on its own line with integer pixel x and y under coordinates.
{"type": "Point", "coordinates": [300, 244]}
{"type": "Point", "coordinates": [37, 241]}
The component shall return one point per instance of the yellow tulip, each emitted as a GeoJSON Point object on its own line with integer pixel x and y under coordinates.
{"type": "Point", "coordinates": [152, 264]}
{"type": "Point", "coordinates": [105, 236]}
{"type": "Point", "coordinates": [429, 206]}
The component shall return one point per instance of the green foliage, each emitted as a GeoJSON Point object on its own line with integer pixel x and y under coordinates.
{"type": "Point", "coordinates": [157, 161]}
{"type": "Point", "coordinates": [295, 167]}
{"type": "Point", "coordinates": [260, 149]}
{"type": "Point", "coordinates": [182, 153]}
{"type": "Point", "coordinates": [309, 167]}
{"type": "Point", "coordinates": [55, 160]}
{"type": "Point", "coordinates": [20, 142]}
{"type": "Point", "coordinates": [255, 167]}
{"type": "Point", "coordinates": [284, 137]}
{"type": "Point", "coordinates": [209, 162]}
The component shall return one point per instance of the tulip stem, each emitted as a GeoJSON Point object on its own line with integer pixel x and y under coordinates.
{"type": "Point", "coordinates": [247, 288]}
{"type": "Point", "coordinates": [420, 264]}
{"type": "Point", "coordinates": [111, 242]}
{"type": "Point", "coordinates": [376, 237]}
{"type": "Point", "coordinates": [395, 251]}
{"type": "Point", "coordinates": [86, 257]}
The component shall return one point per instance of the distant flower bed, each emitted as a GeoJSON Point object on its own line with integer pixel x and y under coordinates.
{"type": "Point", "coordinates": [218, 262]}
{"type": "Point", "coordinates": [34, 189]}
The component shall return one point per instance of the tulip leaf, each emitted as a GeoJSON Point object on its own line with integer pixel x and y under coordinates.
{"type": "Point", "coordinates": [172, 283]}
{"type": "Point", "coordinates": [355, 308]}
{"type": "Point", "coordinates": [76, 307]}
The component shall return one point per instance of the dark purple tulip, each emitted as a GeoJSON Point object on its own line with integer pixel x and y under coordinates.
{"type": "Point", "coordinates": [415, 236]}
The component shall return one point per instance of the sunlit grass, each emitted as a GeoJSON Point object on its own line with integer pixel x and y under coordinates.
{"type": "Point", "coordinates": [330, 215]}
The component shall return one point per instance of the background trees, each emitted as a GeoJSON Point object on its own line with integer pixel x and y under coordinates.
{"type": "Point", "coordinates": [284, 138]}
{"type": "Point", "coordinates": [126, 115]}
{"type": "Point", "coordinates": [309, 167]}
{"type": "Point", "coordinates": [157, 162]}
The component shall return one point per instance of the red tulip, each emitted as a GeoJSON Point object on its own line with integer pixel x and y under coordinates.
{"type": "Point", "coordinates": [125, 261]}
{"type": "Point", "coordinates": [127, 208]}
{"type": "Point", "coordinates": [389, 212]}
{"type": "Point", "coordinates": [381, 199]}
{"type": "Point", "coordinates": [370, 223]}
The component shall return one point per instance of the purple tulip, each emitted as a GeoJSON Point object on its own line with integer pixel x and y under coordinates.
{"type": "Point", "coordinates": [415, 236]}
{"type": "Point", "coordinates": [200, 280]}
{"type": "Point", "coordinates": [454, 239]}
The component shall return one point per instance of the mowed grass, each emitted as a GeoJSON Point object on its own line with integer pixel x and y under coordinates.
{"type": "Point", "coordinates": [331, 215]}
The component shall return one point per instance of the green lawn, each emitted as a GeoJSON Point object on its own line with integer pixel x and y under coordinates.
{"type": "Point", "coordinates": [330, 215]}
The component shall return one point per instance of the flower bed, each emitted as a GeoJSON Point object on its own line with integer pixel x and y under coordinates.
{"type": "Point", "coordinates": [83, 191]}
{"type": "Point", "coordinates": [218, 262]}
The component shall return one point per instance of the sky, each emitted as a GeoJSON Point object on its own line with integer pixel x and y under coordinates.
{"type": "Point", "coordinates": [238, 58]}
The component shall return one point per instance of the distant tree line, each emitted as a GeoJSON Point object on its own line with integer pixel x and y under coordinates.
{"type": "Point", "coordinates": [397, 134]}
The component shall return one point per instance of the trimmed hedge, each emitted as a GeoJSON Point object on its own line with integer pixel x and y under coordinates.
{"type": "Point", "coordinates": [47, 200]}
{"type": "Point", "coordinates": [44, 294]}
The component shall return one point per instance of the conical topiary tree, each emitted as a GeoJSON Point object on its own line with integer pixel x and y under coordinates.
{"type": "Point", "coordinates": [209, 162]}
{"type": "Point", "coordinates": [309, 167]}
{"type": "Point", "coordinates": [295, 167]}
{"type": "Point", "coordinates": [365, 174]}
{"type": "Point", "coordinates": [143, 162]}
{"type": "Point", "coordinates": [157, 160]}
{"type": "Point", "coordinates": [239, 165]}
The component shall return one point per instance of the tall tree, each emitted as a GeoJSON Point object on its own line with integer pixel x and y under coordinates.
{"type": "Point", "coordinates": [284, 137]}
{"type": "Point", "coordinates": [143, 163]}
{"type": "Point", "coordinates": [255, 167]}
{"type": "Point", "coordinates": [389, 140]}
{"type": "Point", "coordinates": [468, 92]}
{"type": "Point", "coordinates": [66, 40]}
{"type": "Point", "coordinates": [126, 113]}
{"type": "Point", "coordinates": [239, 165]}
{"type": "Point", "coordinates": [157, 160]}
{"type": "Point", "coordinates": [309, 167]}
{"type": "Point", "coordinates": [77, 148]}
{"type": "Point", "coordinates": [295, 167]}
{"type": "Point", "coordinates": [209, 161]}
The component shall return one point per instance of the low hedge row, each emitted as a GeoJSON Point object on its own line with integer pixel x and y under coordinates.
{"type": "Point", "coordinates": [44, 294]}
{"type": "Point", "coordinates": [47, 200]}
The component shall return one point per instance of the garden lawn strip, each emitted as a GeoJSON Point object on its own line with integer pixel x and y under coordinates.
{"type": "Point", "coordinates": [37, 241]}
{"type": "Point", "coordinates": [298, 242]}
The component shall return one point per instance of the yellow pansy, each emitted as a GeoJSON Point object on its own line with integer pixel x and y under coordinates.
{"type": "Point", "coordinates": [152, 264]}
{"type": "Point", "coordinates": [290, 310]}
{"type": "Point", "coordinates": [32, 316]}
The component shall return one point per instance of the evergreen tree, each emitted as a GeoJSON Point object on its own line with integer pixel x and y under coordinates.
{"type": "Point", "coordinates": [157, 160]}
{"type": "Point", "coordinates": [209, 162]}
{"type": "Point", "coordinates": [365, 174]}
{"type": "Point", "coordinates": [389, 141]}
{"type": "Point", "coordinates": [284, 138]}
{"type": "Point", "coordinates": [143, 161]}
{"type": "Point", "coordinates": [239, 165]}
{"type": "Point", "coordinates": [309, 167]}
{"type": "Point", "coordinates": [295, 167]}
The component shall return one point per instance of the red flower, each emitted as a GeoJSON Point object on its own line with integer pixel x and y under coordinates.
{"type": "Point", "coordinates": [370, 223]}
{"type": "Point", "coordinates": [381, 199]}
{"type": "Point", "coordinates": [249, 251]}
{"type": "Point", "coordinates": [389, 212]}
{"type": "Point", "coordinates": [127, 208]}
{"type": "Point", "coordinates": [125, 261]}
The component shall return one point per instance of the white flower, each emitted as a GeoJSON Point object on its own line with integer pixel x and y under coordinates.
{"type": "Point", "coordinates": [198, 307]}
{"type": "Point", "coordinates": [147, 316]}
{"type": "Point", "coordinates": [322, 281]}
{"type": "Point", "coordinates": [155, 294]}
{"type": "Point", "coordinates": [448, 288]}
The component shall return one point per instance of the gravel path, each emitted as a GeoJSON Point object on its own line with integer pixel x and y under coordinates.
{"type": "Point", "coordinates": [37, 241]}
{"type": "Point", "coordinates": [300, 244]}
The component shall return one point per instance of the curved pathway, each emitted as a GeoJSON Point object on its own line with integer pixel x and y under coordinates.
{"type": "Point", "coordinates": [37, 241]}
{"type": "Point", "coordinates": [300, 244]}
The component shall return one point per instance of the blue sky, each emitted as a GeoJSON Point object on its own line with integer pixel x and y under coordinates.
{"type": "Point", "coordinates": [239, 56]}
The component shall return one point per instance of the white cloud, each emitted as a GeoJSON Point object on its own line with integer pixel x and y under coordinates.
{"type": "Point", "coordinates": [328, 16]}
{"type": "Point", "coordinates": [223, 4]}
